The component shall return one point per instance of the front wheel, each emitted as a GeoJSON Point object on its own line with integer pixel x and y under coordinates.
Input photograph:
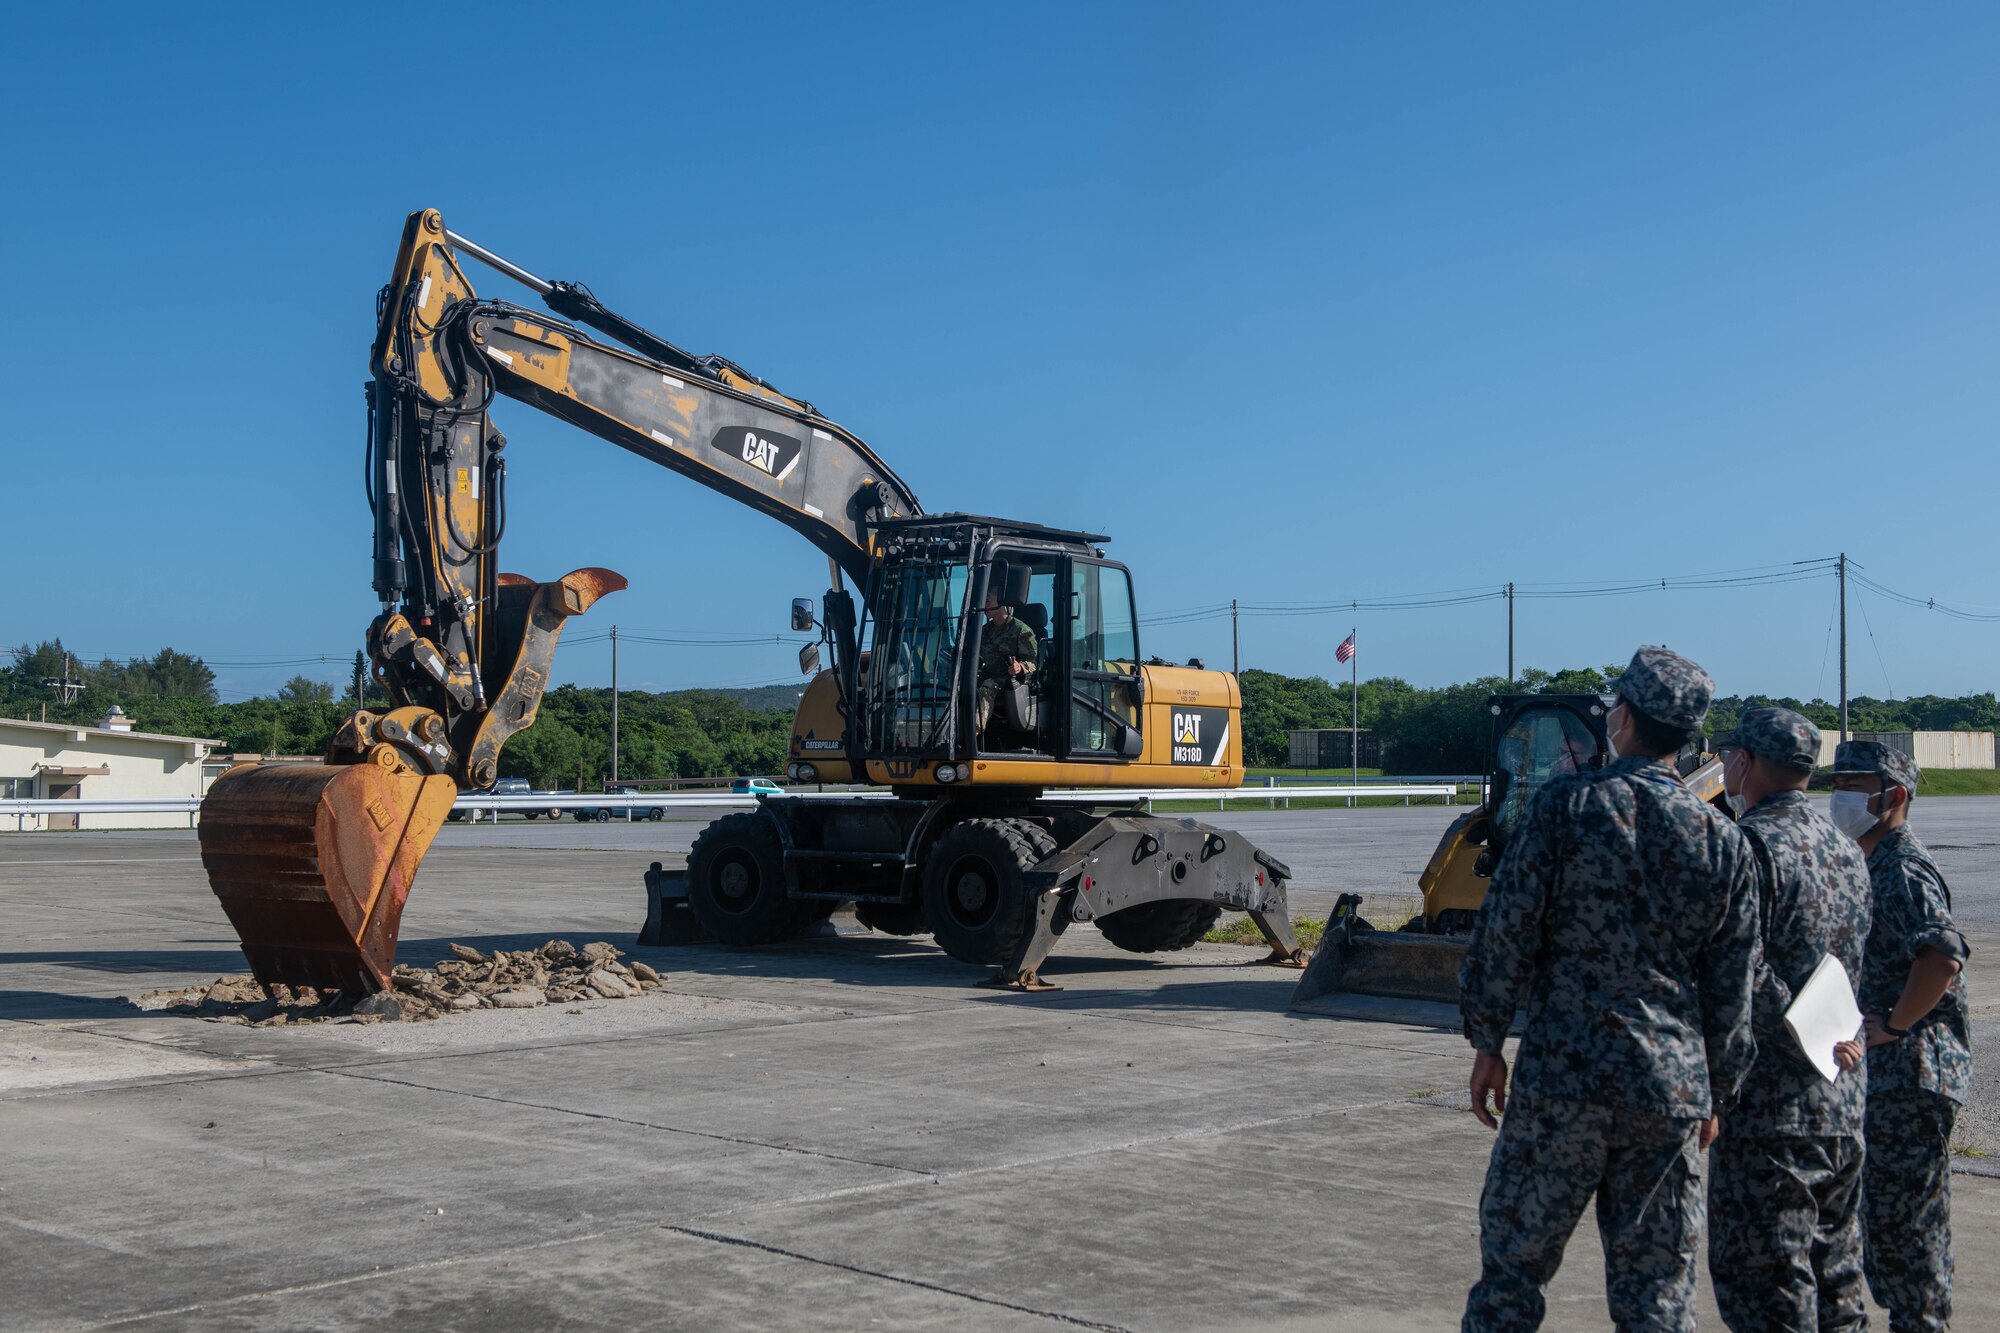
{"type": "Point", "coordinates": [736, 882]}
{"type": "Point", "coordinates": [976, 898]}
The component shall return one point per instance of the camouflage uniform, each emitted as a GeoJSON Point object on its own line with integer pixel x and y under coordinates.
{"type": "Point", "coordinates": [1916, 1083]}
{"type": "Point", "coordinates": [1623, 913]}
{"type": "Point", "coordinates": [997, 643]}
{"type": "Point", "coordinates": [1784, 1189]}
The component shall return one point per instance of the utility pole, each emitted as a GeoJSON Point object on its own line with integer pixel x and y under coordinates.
{"type": "Point", "coordinates": [1235, 643]}
{"type": "Point", "coordinates": [1842, 567]}
{"type": "Point", "coordinates": [614, 707]}
{"type": "Point", "coordinates": [68, 687]}
{"type": "Point", "coordinates": [1510, 631]}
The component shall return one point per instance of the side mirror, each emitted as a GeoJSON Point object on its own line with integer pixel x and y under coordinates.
{"type": "Point", "coordinates": [1130, 743]}
{"type": "Point", "coordinates": [802, 613]}
{"type": "Point", "coordinates": [809, 659]}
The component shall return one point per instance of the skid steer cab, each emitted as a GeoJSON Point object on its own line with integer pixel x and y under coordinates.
{"type": "Point", "coordinates": [1536, 738]}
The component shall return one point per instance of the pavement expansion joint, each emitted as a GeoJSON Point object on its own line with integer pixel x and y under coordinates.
{"type": "Point", "coordinates": [373, 1275]}
{"type": "Point", "coordinates": [1057, 1316]}
{"type": "Point", "coordinates": [915, 1174]}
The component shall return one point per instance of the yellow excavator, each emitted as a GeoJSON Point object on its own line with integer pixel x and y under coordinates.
{"type": "Point", "coordinates": [1536, 738]}
{"type": "Point", "coordinates": [974, 663]}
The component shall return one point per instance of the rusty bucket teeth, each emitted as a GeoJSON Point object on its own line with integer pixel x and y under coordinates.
{"type": "Point", "coordinates": [312, 864]}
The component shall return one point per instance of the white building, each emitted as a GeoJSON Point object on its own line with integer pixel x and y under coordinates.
{"type": "Point", "coordinates": [1931, 749]}
{"type": "Point", "coordinates": [111, 761]}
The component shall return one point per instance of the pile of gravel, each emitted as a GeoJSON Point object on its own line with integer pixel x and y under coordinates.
{"type": "Point", "coordinates": [556, 973]}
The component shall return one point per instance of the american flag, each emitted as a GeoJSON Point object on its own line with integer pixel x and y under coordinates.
{"type": "Point", "coordinates": [1345, 653]}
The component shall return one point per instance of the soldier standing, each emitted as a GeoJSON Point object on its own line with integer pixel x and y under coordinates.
{"type": "Point", "coordinates": [1623, 913]}
{"type": "Point", "coordinates": [1919, 1040]}
{"type": "Point", "coordinates": [1006, 653]}
{"type": "Point", "coordinates": [1784, 1188]}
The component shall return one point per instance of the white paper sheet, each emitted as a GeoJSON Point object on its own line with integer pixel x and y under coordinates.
{"type": "Point", "coordinates": [1822, 1013]}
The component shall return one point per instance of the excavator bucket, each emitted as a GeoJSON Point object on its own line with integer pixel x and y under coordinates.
{"type": "Point", "coordinates": [312, 863]}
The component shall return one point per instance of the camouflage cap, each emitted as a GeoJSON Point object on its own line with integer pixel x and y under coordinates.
{"type": "Point", "coordinates": [1775, 734]}
{"type": "Point", "coordinates": [1874, 757]}
{"type": "Point", "coordinates": [1667, 688]}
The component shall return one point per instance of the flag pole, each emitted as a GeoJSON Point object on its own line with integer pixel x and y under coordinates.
{"type": "Point", "coordinates": [1354, 718]}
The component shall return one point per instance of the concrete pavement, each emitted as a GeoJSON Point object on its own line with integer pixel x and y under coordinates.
{"type": "Point", "coordinates": [834, 1134]}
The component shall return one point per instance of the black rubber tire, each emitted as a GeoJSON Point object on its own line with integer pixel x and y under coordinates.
{"type": "Point", "coordinates": [1158, 927]}
{"type": "Point", "coordinates": [534, 814]}
{"type": "Point", "coordinates": [455, 816]}
{"type": "Point", "coordinates": [604, 816]}
{"type": "Point", "coordinates": [893, 918]}
{"type": "Point", "coordinates": [656, 814]}
{"type": "Point", "coordinates": [976, 899]}
{"type": "Point", "coordinates": [736, 882]}
{"type": "Point", "coordinates": [583, 816]}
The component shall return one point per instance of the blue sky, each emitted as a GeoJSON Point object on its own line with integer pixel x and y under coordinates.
{"type": "Point", "coordinates": [1300, 303]}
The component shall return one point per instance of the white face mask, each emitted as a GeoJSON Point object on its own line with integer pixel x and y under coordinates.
{"type": "Point", "coordinates": [1850, 813]}
{"type": "Point", "coordinates": [1737, 805]}
{"type": "Point", "coordinates": [1611, 730]}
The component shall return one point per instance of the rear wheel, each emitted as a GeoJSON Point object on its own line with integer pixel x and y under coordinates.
{"type": "Point", "coordinates": [656, 814]}
{"type": "Point", "coordinates": [736, 882]}
{"type": "Point", "coordinates": [976, 898]}
{"type": "Point", "coordinates": [892, 918]}
{"type": "Point", "coordinates": [1157, 927]}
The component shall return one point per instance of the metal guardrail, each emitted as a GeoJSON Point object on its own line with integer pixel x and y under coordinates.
{"type": "Point", "coordinates": [23, 807]}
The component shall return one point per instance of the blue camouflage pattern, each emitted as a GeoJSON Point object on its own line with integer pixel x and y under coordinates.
{"type": "Point", "coordinates": [1912, 911]}
{"type": "Point", "coordinates": [1813, 899]}
{"type": "Point", "coordinates": [1622, 914]}
{"type": "Point", "coordinates": [1666, 687]}
{"type": "Point", "coordinates": [1550, 1158]}
{"type": "Point", "coordinates": [1784, 1233]}
{"type": "Point", "coordinates": [1885, 761]}
{"type": "Point", "coordinates": [1906, 1207]}
{"type": "Point", "coordinates": [1785, 738]}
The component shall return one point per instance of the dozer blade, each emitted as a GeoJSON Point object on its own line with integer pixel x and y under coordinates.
{"type": "Point", "coordinates": [313, 862]}
{"type": "Point", "coordinates": [1354, 958]}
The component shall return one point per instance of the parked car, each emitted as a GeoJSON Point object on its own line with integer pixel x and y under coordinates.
{"type": "Point", "coordinates": [603, 813]}
{"type": "Point", "coordinates": [755, 787]}
{"type": "Point", "coordinates": [506, 787]}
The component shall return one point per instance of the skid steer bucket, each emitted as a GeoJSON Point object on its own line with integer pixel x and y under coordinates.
{"type": "Point", "coordinates": [1355, 957]}
{"type": "Point", "coordinates": [312, 863]}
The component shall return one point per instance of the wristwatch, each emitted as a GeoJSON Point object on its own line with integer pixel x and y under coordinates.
{"type": "Point", "coordinates": [1893, 1030]}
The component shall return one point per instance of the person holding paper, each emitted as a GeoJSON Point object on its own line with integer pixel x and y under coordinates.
{"type": "Point", "coordinates": [1623, 915]}
{"type": "Point", "coordinates": [1784, 1186]}
{"type": "Point", "coordinates": [1919, 1039]}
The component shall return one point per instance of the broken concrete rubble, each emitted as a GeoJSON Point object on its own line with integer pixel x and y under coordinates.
{"type": "Point", "coordinates": [556, 972]}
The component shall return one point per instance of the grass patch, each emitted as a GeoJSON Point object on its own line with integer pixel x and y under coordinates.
{"type": "Point", "coordinates": [1384, 911]}
{"type": "Point", "coordinates": [1963, 1146]}
{"type": "Point", "coordinates": [1252, 798]}
{"type": "Point", "coordinates": [1328, 773]}
{"type": "Point", "coordinates": [1960, 782]}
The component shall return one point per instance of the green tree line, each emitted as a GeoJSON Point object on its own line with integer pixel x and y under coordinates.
{"type": "Point", "coordinates": [715, 733]}
{"type": "Point", "coordinates": [1447, 729]}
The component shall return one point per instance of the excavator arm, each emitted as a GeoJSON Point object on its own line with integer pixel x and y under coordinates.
{"type": "Point", "coordinates": [313, 862]}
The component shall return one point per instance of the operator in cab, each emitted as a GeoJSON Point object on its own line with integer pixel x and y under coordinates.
{"type": "Point", "coordinates": [1006, 654]}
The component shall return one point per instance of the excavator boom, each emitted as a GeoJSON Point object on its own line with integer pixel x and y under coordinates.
{"type": "Point", "coordinates": [312, 863]}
